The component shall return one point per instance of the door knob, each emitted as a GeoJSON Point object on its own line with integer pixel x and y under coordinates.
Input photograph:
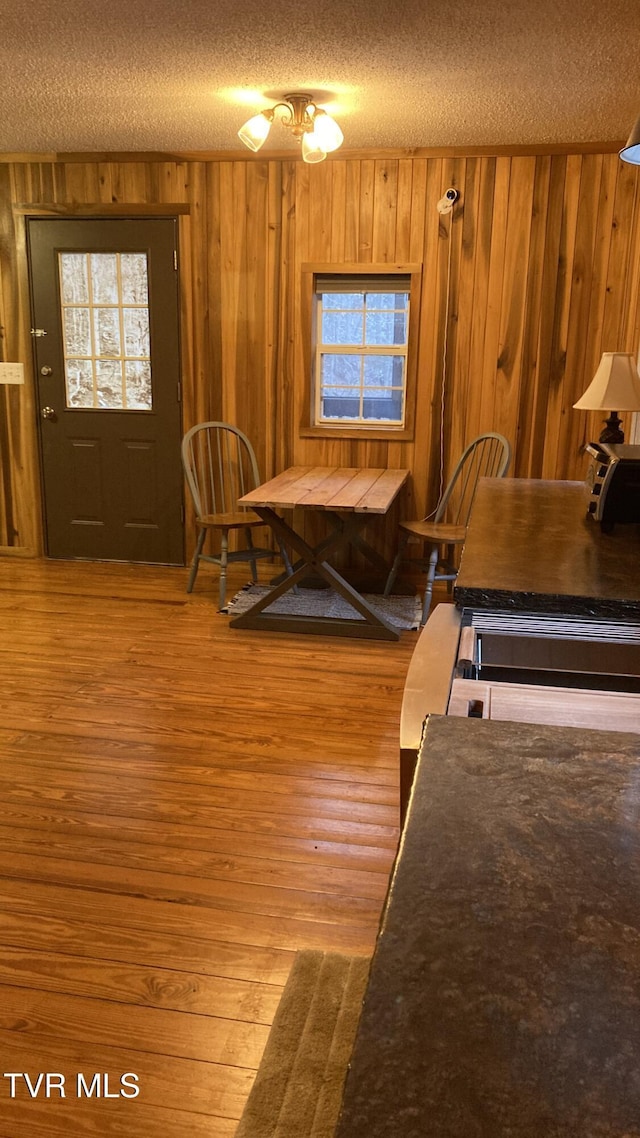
{"type": "Point", "coordinates": [48, 413]}
{"type": "Point", "coordinates": [46, 371]}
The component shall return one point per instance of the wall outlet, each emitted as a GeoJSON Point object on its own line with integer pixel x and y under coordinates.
{"type": "Point", "coordinates": [11, 373]}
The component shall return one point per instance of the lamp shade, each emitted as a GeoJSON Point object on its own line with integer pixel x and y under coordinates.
{"type": "Point", "coordinates": [616, 385]}
{"type": "Point", "coordinates": [312, 150]}
{"type": "Point", "coordinates": [327, 131]}
{"type": "Point", "coordinates": [631, 152]}
{"type": "Point", "coordinates": [255, 130]}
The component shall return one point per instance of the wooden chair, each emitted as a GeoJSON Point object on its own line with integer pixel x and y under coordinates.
{"type": "Point", "coordinates": [220, 466]}
{"type": "Point", "coordinates": [488, 456]}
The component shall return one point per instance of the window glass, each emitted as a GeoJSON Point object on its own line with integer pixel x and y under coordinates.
{"type": "Point", "coordinates": [342, 327]}
{"type": "Point", "coordinates": [361, 351]}
{"type": "Point", "coordinates": [106, 340]}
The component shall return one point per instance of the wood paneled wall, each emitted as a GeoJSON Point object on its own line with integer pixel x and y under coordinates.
{"type": "Point", "coordinates": [533, 275]}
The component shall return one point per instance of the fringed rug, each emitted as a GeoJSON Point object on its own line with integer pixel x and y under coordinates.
{"type": "Point", "coordinates": [402, 612]}
{"type": "Point", "coordinates": [298, 1088]}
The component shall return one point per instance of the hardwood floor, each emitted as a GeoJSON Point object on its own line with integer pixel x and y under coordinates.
{"type": "Point", "coordinates": [182, 807]}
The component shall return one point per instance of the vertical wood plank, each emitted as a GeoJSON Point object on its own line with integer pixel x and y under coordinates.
{"type": "Point", "coordinates": [456, 379]}
{"type": "Point", "coordinates": [253, 405]}
{"type": "Point", "coordinates": [491, 351]}
{"type": "Point", "coordinates": [403, 211]}
{"type": "Point", "coordinates": [530, 367]}
{"type": "Point", "coordinates": [352, 211]}
{"type": "Point", "coordinates": [514, 297]}
{"type": "Point", "coordinates": [320, 212]}
{"type": "Point", "coordinates": [483, 229]}
{"type": "Point", "coordinates": [561, 315]}
{"type": "Point", "coordinates": [576, 375]}
{"type": "Point", "coordinates": [631, 305]}
{"type": "Point", "coordinates": [385, 202]}
{"type": "Point", "coordinates": [551, 283]}
{"type": "Point", "coordinates": [367, 175]}
{"type": "Point", "coordinates": [468, 212]}
{"type": "Point", "coordinates": [427, 453]}
{"type": "Point", "coordinates": [338, 210]}
{"type": "Point", "coordinates": [288, 409]}
{"type": "Point", "coordinates": [585, 423]}
{"type": "Point", "coordinates": [271, 286]}
{"type": "Point", "coordinates": [21, 519]}
{"type": "Point", "coordinates": [208, 273]}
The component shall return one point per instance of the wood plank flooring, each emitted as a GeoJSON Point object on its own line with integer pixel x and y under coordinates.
{"type": "Point", "coordinates": [182, 807]}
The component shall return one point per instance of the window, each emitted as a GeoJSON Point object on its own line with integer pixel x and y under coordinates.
{"type": "Point", "coordinates": [105, 311]}
{"type": "Point", "coordinates": [361, 351]}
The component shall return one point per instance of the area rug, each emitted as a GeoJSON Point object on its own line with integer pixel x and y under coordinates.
{"type": "Point", "coordinates": [298, 1088]}
{"type": "Point", "coordinates": [402, 612]}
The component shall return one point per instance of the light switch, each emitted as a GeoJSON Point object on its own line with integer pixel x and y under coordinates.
{"type": "Point", "coordinates": [11, 373]}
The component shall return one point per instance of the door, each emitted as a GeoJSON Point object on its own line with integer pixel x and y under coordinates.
{"type": "Point", "coordinates": [105, 311]}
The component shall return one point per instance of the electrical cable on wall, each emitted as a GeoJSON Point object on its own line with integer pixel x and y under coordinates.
{"type": "Point", "coordinates": [444, 207]}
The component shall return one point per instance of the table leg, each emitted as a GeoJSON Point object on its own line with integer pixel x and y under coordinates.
{"type": "Point", "coordinates": [313, 560]}
{"type": "Point", "coordinates": [358, 541]}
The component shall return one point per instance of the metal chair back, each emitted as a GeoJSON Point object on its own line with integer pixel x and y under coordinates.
{"type": "Point", "coordinates": [488, 456]}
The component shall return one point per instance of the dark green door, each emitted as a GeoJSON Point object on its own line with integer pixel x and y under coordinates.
{"type": "Point", "coordinates": [105, 311]}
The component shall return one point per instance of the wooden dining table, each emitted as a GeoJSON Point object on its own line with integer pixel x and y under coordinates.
{"type": "Point", "coordinates": [348, 498]}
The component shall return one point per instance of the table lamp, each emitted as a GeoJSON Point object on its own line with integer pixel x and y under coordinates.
{"type": "Point", "coordinates": [615, 384]}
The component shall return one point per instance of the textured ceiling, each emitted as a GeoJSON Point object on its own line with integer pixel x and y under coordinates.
{"type": "Point", "coordinates": [135, 75]}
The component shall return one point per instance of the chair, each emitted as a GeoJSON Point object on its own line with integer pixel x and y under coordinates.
{"type": "Point", "coordinates": [488, 456]}
{"type": "Point", "coordinates": [220, 466]}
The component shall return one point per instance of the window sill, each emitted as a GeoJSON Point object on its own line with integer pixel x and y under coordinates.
{"type": "Point", "coordinates": [389, 434]}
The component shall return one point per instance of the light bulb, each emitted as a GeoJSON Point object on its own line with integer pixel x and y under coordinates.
{"type": "Point", "coordinates": [327, 131]}
{"type": "Point", "coordinates": [312, 151]}
{"type": "Point", "coordinates": [255, 130]}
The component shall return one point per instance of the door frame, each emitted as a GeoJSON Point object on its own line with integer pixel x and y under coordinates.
{"type": "Point", "coordinates": [26, 457]}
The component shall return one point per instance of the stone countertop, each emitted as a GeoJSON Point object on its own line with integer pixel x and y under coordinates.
{"type": "Point", "coordinates": [530, 546]}
{"type": "Point", "coordinates": [504, 997]}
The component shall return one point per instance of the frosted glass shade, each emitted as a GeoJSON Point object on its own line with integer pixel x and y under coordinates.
{"type": "Point", "coordinates": [255, 131]}
{"type": "Point", "coordinates": [615, 386]}
{"type": "Point", "coordinates": [327, 131]}
{"type": "Point", "coordinates": [631, 152]}
{"type": "Point", "coordinates": [312, 151]}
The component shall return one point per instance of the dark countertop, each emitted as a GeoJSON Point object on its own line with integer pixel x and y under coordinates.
{"type": "Point", "coordinates": [504, 997]}
{"type": "Point", "coordinates": [530, 546]}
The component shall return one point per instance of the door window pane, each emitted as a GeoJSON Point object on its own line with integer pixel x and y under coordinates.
{"type": "Point", "coordinates": [107, 352]}
{"type": "Point", "coordinates": [136, 332]}
{"type": "Point", "coordinates": [77, 332]}
{"type": "Point", "coordinates": [79, 375]}
{"type": "Point", "coordinates": [74, 280]}
{"type": "Point", "coordinates": [138, 381]}
{"type": "Point", "coordinates": [133, 274]}
{"type": "Point", "coordinates": [104, 277]}
{"type": "Point", "coordinates": [109, 384]}
{"type": "Point", "coordinates": [107, 331]}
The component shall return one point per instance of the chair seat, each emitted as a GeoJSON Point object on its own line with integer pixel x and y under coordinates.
{"type": "Point", "coordinates": [220, 467]}
{"type": "Point", "coordinates": [436, 531]}
{"type": "Point", "coordinates": [485, 457]}
{"type": "Point", "coordinates": [238, 519]}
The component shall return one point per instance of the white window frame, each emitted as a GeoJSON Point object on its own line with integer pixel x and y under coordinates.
{"type": "Point", "coordinates": [361, 285]}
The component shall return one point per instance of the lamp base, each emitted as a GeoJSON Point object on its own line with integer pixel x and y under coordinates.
{"type": "Point", "coordinates": [612, 432]}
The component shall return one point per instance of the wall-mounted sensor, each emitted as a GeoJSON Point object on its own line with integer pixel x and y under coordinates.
{"type": "Point", "coordinates": [446, 204]}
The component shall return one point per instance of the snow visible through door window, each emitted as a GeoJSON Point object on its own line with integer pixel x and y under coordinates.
{"type": "Point", "coordinates": [105, 320]}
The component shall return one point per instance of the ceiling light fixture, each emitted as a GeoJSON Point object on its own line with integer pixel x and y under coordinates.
{"type": "Point", "coordinates": [313, 127]}
{"type": "Point", "coordinates": [631, 152]}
